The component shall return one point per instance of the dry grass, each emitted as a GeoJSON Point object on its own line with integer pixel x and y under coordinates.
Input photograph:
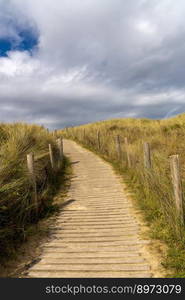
{"type": "Point", "coordinates": [17, 208]}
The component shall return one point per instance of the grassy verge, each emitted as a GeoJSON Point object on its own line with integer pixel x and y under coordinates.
{"type": "Point", "coordinates": [27, 252]}
{"type": "Point", "coordinates": [152, 189]}
{"type": "Point", "coordinates": [18, 209]}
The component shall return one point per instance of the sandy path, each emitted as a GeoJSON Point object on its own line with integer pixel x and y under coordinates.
{"type": "Point", "coordinates": [96, 233]}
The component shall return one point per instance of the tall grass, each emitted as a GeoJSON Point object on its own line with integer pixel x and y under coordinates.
{"type": "Point", "coordinates": [17, 207]}
{"type": "Point", "coordinates": [152, 188]}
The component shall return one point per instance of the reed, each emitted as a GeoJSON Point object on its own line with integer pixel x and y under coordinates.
{"type": "Point", "coordinates": [17, 204]}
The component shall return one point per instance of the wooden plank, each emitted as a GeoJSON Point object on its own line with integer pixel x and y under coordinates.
{"type": "Point", "coordinates": [51, 157]}
{"type": "Point", "coordinates": [60, 148]}
{"type": "Point", "coordinates": [30, 165]}
{"type": "Point", "coordinates": [127, 152]}
{"type": "Point", "coordinates": [177, 187]}
{"type": "Point", "coordinates": [147, 156]}
{"type": "Point", "coordinates": [118, 147]}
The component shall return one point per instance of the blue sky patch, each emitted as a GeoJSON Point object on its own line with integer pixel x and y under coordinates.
{"type": "Point", "coordinates": [28, 41]}
{"type": "Point", "coordinates": [5, 45]}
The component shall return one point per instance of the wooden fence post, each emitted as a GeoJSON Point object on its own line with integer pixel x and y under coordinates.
{"type": "Point", "coordinates": [127, 152]}
{"type": "Point", "coordinates": [60, 148]}
{"type": "Point", "coordinates": [55, 133]}
{"type": "Point", "coordinates": [51, 156]}
{"type": "Point", "coordinates": [177, 187]}
{"type": "Point", "coordinates": [118, 147]}
{"type": "Point", "coordinates": [98, 140]}
{"type": "Point", "coordinates": [147, 156]}
{"type": "Point", "coordinates": [30, 165]}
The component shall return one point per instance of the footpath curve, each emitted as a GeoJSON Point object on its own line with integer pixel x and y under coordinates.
{"type": "Point", "coordinates": [96, 234]}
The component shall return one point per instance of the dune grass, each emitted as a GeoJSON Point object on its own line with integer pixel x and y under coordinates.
{"type": "Point", "coordinates": [17, 205]}
{"type": "Point", "coordinates": [152, 187]}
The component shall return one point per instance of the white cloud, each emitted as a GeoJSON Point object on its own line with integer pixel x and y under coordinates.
{"type": "Point", "coordinates": [18, 64]}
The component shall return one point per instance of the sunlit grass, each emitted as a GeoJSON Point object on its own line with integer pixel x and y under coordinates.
{"type": "Point", "coordinates": [17, 206]}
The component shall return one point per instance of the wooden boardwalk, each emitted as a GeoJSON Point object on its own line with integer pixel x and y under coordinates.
{"type": "Point", "coordinates": [96, 234]}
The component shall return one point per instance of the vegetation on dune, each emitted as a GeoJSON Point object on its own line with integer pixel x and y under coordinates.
{"type": "Point", "coordinates": [17, 205]}
{"type": "Point", "coordinates": [152, 188]}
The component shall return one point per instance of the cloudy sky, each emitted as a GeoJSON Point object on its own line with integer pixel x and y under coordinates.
{"type": "Point", "coordinates": [68, 62]}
